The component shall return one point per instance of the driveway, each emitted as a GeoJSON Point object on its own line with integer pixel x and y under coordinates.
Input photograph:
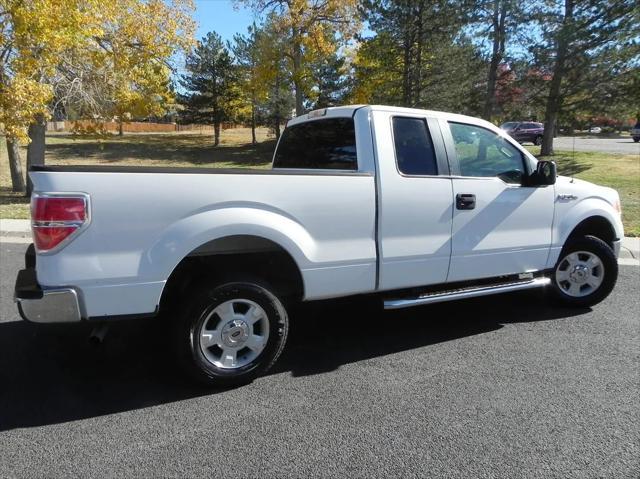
{"type": "Point", "coordinates": [603, 145]}
{"type": "Point", "coordinates": [504, 386]}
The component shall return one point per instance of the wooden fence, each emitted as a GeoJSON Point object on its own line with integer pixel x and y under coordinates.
{"type": "Point", "coordinates": [130, 127]}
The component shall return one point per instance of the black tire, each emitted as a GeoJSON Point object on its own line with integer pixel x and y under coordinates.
{"type": "Point", "coordinates": [604, 253]}
{"type": "Point", "coordinates": [201, 306]}
{"type": "Point", "coordinates": [636, 140]}
{"type": "Point", "coordinates": [537, 141]}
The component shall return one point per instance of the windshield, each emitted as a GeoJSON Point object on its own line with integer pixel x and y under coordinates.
{"type": "Point", "coordinates": [509, 125]}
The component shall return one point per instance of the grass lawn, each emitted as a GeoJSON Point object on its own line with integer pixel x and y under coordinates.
{"type": "Point", "coordinates": [161, 149]}
{"type": "Point", "coordinates": [621, 172]}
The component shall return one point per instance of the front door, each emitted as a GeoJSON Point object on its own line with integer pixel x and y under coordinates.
{"type": "Point", "coordinates": [499, 226]}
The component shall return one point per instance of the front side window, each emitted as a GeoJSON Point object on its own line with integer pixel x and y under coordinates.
{"type": "Point", "coordinates": [483, 153]}
{"type": "Point", "coordinates": [414, 149]}
{"type": "Point", "coordinates": [328, 144]}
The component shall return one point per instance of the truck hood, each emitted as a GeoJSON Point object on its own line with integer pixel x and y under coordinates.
{"type": "Point", "coordinates": [584, 189]}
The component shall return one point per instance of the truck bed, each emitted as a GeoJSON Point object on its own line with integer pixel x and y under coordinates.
{"type": "Point", "coordinates": [144, 221]}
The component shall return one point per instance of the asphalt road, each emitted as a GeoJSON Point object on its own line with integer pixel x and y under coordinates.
{"type": "Point", "coordinates": [504, 386]}
{"type": "Point", "coordinates": [604, 145]}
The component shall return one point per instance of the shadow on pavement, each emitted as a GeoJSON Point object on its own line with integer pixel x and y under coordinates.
{"type": "Point", "coordinates": [51, 374]}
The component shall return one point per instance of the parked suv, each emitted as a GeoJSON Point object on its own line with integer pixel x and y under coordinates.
{"type": "Point", "coordinates": [522, 131]}
{"type": "Point", "coordinates": [635, 132]}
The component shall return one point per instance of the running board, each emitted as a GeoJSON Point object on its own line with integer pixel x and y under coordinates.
{"type": "Point", "coordinates": [464, 293]}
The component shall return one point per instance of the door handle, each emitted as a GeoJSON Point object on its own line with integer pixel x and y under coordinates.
{"type": "Point", "coordinates": [465, 201]}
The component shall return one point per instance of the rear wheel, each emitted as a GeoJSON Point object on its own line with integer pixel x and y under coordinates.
{"type": "Point", "coordinates": [231, 332]}
{"type": "Point", "coordinates": [585, 273]}
{"type": "Point", "coordinates": [537, 140]}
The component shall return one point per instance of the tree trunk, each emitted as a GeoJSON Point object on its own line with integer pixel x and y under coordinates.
{"type": "Point", "coordinates": [35, 150]}
{"type": "Point", "coordinates": [406, 71]}
{"type": "Point", "coordinates": [277, 114]}
{"type": "Point", "coordinates": [498, 30]}
{"type": "Point", "coordinates": [120, 127]}
{"type": "Point", "coordinates": [277, 127]}
{"type": "Point", "coordinates": [216, 133]}
{"type": "Point", "coordinates": [555, 95]}
{"type": "Point", "coordinates": [297, 73]}
{"type": "Point", "coordinates": [253, 124]}
{"type": "Point", "coordinates": [417, 82]}
{"type": "Point", "coordinates": [15, 166]}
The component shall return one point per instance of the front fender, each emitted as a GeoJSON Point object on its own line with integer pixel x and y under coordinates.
{"type": "Point", "coordinates": [587, 208]}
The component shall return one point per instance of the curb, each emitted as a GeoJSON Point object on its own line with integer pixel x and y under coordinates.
{"type": "Point", "coordinates": [15, 228]}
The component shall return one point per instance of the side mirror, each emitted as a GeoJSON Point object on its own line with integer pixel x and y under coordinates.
{"type": "Point", "coordinates": [545, 174]}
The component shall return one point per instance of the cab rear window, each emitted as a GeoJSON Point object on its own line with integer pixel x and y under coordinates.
{"type": "Point", "coordinates": [328, 144]}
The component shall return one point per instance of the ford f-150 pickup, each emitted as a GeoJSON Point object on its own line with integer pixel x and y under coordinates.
{"type": "Point", "coordinates": [411, 206]}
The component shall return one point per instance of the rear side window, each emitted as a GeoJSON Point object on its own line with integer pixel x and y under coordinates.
{"type": "Point", "coordinates": [322, 144]}
{"type": "Point", "coordinates": [414, 149]}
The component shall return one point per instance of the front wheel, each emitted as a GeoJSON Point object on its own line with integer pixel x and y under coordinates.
{"type": "Point", "coordinates": [537, 140]}
{"type": "Point", "coordinates": [636, 139]}
{"type": "Point", "coordinates": [586, 272]}
{"type": "Point", "coordinates": [231, 332]}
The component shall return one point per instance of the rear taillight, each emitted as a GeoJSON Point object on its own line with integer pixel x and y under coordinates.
{"type": "Point", "coordinates": [55, 218]}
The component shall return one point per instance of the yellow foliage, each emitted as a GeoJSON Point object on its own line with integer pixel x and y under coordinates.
{"type": "Point", "coordinates": [129, 43]}
{"type": "Point", "coordinates": [310, 29]}
{"type": "Point", "coordinates": [378, 68]}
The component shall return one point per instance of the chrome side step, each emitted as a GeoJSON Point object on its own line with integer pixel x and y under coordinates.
{"type": "Point", "coordinates": [470, 292]}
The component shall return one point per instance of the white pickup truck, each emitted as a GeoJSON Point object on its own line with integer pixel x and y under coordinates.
{"type": "Point", "coordinates": [411, 206]}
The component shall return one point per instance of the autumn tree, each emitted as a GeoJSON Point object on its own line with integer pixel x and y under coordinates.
{"type": "Point", "coordinates": [303, 25]}
{"type": "Point", "coordinates": [210, 84]}
{"type": "Point", "coordinates": [33, 36]}
{"type": "Point", "coordinates": [124, 46]}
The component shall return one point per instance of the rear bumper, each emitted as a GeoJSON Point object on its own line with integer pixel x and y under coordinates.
{"type": "Point", "coordinates": [50, 305]}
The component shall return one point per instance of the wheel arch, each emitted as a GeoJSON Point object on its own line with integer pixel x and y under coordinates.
{"type": "Point", "coordinates": [597, 226]}
{"type": "Point", "coordinates": [225, 257]}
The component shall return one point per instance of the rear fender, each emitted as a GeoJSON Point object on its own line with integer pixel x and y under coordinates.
{"type": "Point", "coordinates": [186, 235]}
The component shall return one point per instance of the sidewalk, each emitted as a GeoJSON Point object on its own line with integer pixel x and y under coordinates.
{"type": "Point", "coordinates": [20, 230]}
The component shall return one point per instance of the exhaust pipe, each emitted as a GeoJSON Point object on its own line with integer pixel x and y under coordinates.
{"type": "Point", "coordinates": [98, 333]}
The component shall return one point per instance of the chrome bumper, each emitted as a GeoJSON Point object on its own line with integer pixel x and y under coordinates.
{"type": "Point", "coordinates": [616, 247]}
{"type": "Point", "coordinates": [55, 305]}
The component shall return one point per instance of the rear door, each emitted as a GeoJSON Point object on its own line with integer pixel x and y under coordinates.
{"type": "Point", "coordinates": [500, 227]}
{"type": "Point", "coordinates": [415, 199]}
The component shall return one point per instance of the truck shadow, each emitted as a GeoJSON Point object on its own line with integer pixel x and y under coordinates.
{"type": "Point", "coordinates": [50, 375]}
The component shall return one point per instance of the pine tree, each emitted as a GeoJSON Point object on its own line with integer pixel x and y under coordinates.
{"type": "Point", "coordinates": [274, 75]}
{"type": "Point", "coordinates": [331, 84]}
{"type": "Point", "coordinates": [210, 84]}
{"type": "Point", "coordinates": [246, 50]}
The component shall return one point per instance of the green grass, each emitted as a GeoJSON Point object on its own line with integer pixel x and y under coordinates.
{"type": "Point", "coordinates": [621, 172]}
